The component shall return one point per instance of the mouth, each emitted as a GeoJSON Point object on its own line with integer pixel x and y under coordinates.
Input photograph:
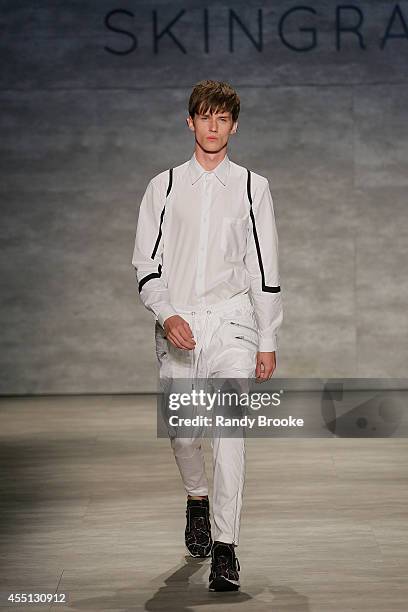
{"type": "Point", "coordinates": [211, 138]}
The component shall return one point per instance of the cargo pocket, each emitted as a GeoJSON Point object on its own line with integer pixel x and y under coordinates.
{"type": "Point", "coordinates": [162, 349]}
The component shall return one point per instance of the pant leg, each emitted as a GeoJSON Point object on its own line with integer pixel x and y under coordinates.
{"type": "Point", "coordinates": [189, 457]}
{"type": "Point", "coordinates": [229, 478]}
{"type": "Point", "coordinates": [174, 364]}
{"type": "Point", "coordinates": [233, 358]}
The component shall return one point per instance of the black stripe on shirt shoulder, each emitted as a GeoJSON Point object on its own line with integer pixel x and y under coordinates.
{"type": "Point", "coordinates": [170, 181]}
{"type": "Point", "coordinates": [265, 287]}
{"type": "Point", "coordinates": [156, 245]}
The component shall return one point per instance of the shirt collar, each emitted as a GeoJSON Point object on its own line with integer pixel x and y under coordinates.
{"type": "Point", "coordinates": [221, 171]}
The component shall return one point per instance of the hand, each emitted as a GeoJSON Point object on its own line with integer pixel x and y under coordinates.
{"type": "Point", "coordinates": [265, 365]}
{"type": "Point", "coordinates": [179, 332]}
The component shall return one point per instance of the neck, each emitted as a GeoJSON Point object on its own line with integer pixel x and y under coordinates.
{"type": "Point", "coordinates": [207, 160]}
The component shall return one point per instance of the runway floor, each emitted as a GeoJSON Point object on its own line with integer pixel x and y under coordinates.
{"type": "Point", "coordinates": [92, 506]}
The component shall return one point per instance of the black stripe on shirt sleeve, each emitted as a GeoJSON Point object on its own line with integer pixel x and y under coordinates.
{"type": "Point", "coordinates": [265, 287]}
{"type": "Point", "coordinates": [149, 277]}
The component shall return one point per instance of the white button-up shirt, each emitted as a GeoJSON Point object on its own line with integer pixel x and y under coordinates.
{"type": "Point", "coordinates": [213, 237]}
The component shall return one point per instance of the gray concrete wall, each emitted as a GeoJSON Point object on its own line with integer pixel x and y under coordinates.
{"type": "Point", "coordinates": [83, 129]}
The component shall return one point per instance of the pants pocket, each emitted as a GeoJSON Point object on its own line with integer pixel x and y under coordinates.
{"type": "Point", "coordinates": [242, 326]}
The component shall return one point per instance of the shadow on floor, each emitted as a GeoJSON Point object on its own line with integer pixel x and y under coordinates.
{"type": "Point", "coordinates": [175, 593]}
{"type": "Point", "coordinates": [178, 594]}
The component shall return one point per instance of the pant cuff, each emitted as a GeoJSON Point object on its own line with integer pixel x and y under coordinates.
{"type": "Point", "coordinates": [227, 539]}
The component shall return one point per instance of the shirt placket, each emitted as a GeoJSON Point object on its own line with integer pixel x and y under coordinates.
{"type": "Point", "coordinates": [206, 191]}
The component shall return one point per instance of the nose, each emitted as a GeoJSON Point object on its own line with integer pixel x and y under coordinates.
{"type": "Point", "coordinates": [213, 125]}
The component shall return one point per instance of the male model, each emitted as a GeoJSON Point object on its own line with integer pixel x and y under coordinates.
{"type": "Point", "coordinates": [206, 260]}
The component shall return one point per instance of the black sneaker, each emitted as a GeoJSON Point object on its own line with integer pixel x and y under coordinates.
{"type": "Point", "coordinates": [224, 568]}
{"type": "Point", "coordinates": [198, 529]}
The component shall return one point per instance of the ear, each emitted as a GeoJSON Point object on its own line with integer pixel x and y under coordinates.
{"type": "Point", "coordinates": [190, 123]}
{"type": "Point", "coordinates": [234, 128]}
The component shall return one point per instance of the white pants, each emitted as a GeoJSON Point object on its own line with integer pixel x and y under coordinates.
{"type": "Point", "coordinates": [226, 339]}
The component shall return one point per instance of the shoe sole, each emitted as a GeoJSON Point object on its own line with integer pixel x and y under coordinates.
{"type": "Point", "coordinates": [222, 584]}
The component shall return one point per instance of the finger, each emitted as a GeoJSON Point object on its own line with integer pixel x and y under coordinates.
{"type": "Point", "coordinates": [188, 329]}
{"type": "Point", "coordinates": [261, 379]}
{"type": "Point", "coordinates": [186, 335]}
{"type": "Point", "coordinates": [262, 376]}
{"type": "Point", "coordinates": [180, 339]}
{"type": "Point", "coordinates": [183, 342]}
{"type": "Point", "coordinates": [264, 371]}
{"type": "Point", "coordinates": [174, 341]}
{"type": "Point", "coordinates": [258, 370]}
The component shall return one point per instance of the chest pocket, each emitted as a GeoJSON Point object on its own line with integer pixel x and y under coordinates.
{"type": "Point", "coordinates": [233, 238]}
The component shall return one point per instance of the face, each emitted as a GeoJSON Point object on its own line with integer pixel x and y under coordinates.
{"type": "Point", "coordinates": [212, 131]}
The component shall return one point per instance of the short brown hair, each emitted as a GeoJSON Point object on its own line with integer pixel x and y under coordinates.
{"type": "Point", "coordinates": [216, 96]}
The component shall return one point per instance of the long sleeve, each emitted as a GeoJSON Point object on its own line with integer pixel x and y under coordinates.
{"type": "Point", "coordinates": [147, 255]}
{"type": "Point", "coordinates": [261, 261]}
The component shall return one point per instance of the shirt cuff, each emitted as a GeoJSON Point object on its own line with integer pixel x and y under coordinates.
{"type": "Point", "coordinates": [164, 314]}
{"type": "Point", "coordinates": [268, 345]}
